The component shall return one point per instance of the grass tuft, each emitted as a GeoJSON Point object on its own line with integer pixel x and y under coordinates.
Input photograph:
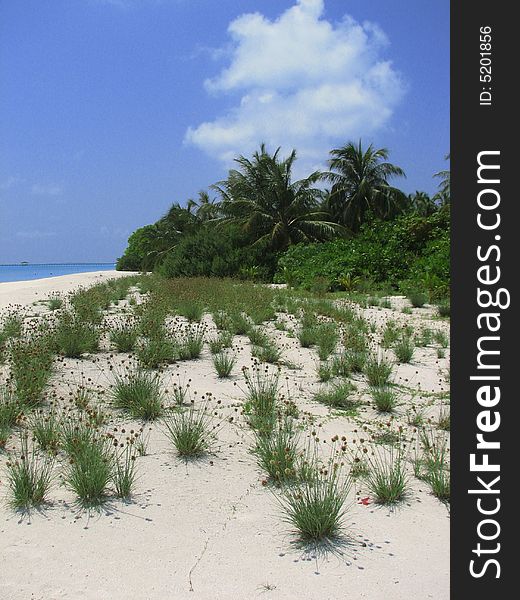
{"type": "Point", "coordinates": [224, 363]}
{"type": "Point", "coordinates": [29, 477]}
{"type": "Point", "coordinates": [190, 432]}
{"type": "Point", "coordinates": [139, 393]}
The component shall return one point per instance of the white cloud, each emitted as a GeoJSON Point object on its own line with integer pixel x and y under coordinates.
{"type": "Point", "coordinates": [303, 82]}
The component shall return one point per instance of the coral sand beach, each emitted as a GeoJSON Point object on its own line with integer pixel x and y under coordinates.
{"type": "Point", "coordinates": [214, 524]}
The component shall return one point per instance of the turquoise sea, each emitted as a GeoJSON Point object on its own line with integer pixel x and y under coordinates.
{"type": "Point", "coordinates": [24, 272]}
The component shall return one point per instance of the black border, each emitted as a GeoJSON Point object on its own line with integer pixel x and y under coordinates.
{"type": "Point", "coordinates": [475, 128]}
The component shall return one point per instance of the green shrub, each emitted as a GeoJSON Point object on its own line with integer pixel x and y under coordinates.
{"type": "Point", "coordinates": [402, 249]}
{"type": "Point", "coordinates": [417, 298]}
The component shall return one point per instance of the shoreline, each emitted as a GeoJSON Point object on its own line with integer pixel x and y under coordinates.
{"type": "Point", "coordinates": [30, 290]}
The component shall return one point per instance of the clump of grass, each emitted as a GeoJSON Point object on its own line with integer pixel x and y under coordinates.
{"type": "Point", "coordinates": [223, 363]}
{"type": "Point", "coordinates": [423, 337]}
{"type": "Point", "coordinates": [11, 326]}
{"type": "Point", "coordinates": [270, 353]}
{"type": "Point", "coordinates": [387, 479]}
{"type": "Point", "coordinates": [261, 400]}
{"type": "Point", "coordinates": [444, 308]}
{"type": "Point", "coordinates": [240, 324]}
{"type": "Point", "coordinates": [339, 396]}
{"type": "Point", "coordinates": [223, 340]}
{"type": "Point", "coordinates": [415, 416]}
{"type": "Point", "coordinates": [82, 396]}
{"type": "Point", "coordinates": [280, 326]}
{"type": "Point", "coordinates": [261, 313]}
{"type": "Point", "coordinates": [384, 398]}
{"type": "Point", "coordinates": [390, 334]}
{"type": "Point", "coordinates": [190, 432]}
{"type": "Point", "coordinates": [326, 339]}
{"type": "Point", "coordinates": [341, 365]}
{"type": "Point", "coordinates": [46, 431]}
{"type": "Point", "coordinates": [193, 311]}
{"type": "Point", "coordinates": [10, 411]}
{"type": "Point", "coordinates": [151, 320]}
{"type": "Point", "coordinates": [89, 303]}
{"type": "Point", "coordinates": [377, 371]}
{"type": "Point", "coordinates": [90, 470]}
{"type": "Point", "coordinates": [316, 507]}
{"type": "Point", "coordinates": [355, 338]}
{"type": "Point", "coordinates": [141, 441]}
{"type": "Point", "coordinates": [124, 338]}
{"type": "Point", "coordinates": [222, 320]}
{"type": "Point", "coordinates": [404, 349]}
{"type": "Point", "coordinates": [257, 337]}
{"type": "Point", "coordinates": [31, 368]}
{"type": "Point", "coordinates": [355, 360]}
{"type": "Point", "coordinates": [74, 336]}
{"type": "Point", "coordinates": [324, 370]}
{"type": "Point", "coordinates": [156, 351]}
{"type": "Point", "coordinates": [76, 433]}
{"type": "Point", "coordinates": [277, 454]}
{"type": "Point", "coordinates": [417, 298]}
{"type": "Point", "coordinates": [444, 421]}
{"type": "Point", "coordinates": [29, 477]}
{"type": "Point", "coordinates": [124, 472]}
{"type": "Point", "coordinates": [190, 343]}
{"type": "Point", "coordinates": [441, 338]}
{"type": "Point", "coordinates": [139, 393]}
{"type": "Point", "coordinates": [307, 336]}
{"type": "Point", "coordinates": [437, 466]}
{"type": "Point", "coordinates": [55, 302]}
{"type": "Point", "coordinates": [180, 393]}
{"type": "Point", "coordinates": [308, 333]}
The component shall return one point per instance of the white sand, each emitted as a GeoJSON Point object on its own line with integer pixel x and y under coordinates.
{"type": "Point", "coordinates": [26, 292]}
{"type": "Point", "coordinates": [207, 531]}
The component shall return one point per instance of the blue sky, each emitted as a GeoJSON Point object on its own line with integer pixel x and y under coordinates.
{"type": "Point", "coordinates": [110, 110]}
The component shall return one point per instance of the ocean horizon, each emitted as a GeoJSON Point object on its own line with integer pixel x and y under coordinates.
{"type": "Point", "coordinates": [29, 271]}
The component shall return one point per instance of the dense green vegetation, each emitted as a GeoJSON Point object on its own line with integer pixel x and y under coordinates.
{"type": "Point", "coordinates": [264, 226]}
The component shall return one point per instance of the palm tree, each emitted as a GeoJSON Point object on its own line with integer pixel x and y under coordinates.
{"type": "Point", "coordinates": [261, 197]}
{"type": "Point", "coordinates": [422, 204]}
{"type": "Point", "coordinates": [360, 185]}
{"type": "Point", "coordinates": [207, 209]}
{"type": "Point", "coordinates": [443, 195]}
